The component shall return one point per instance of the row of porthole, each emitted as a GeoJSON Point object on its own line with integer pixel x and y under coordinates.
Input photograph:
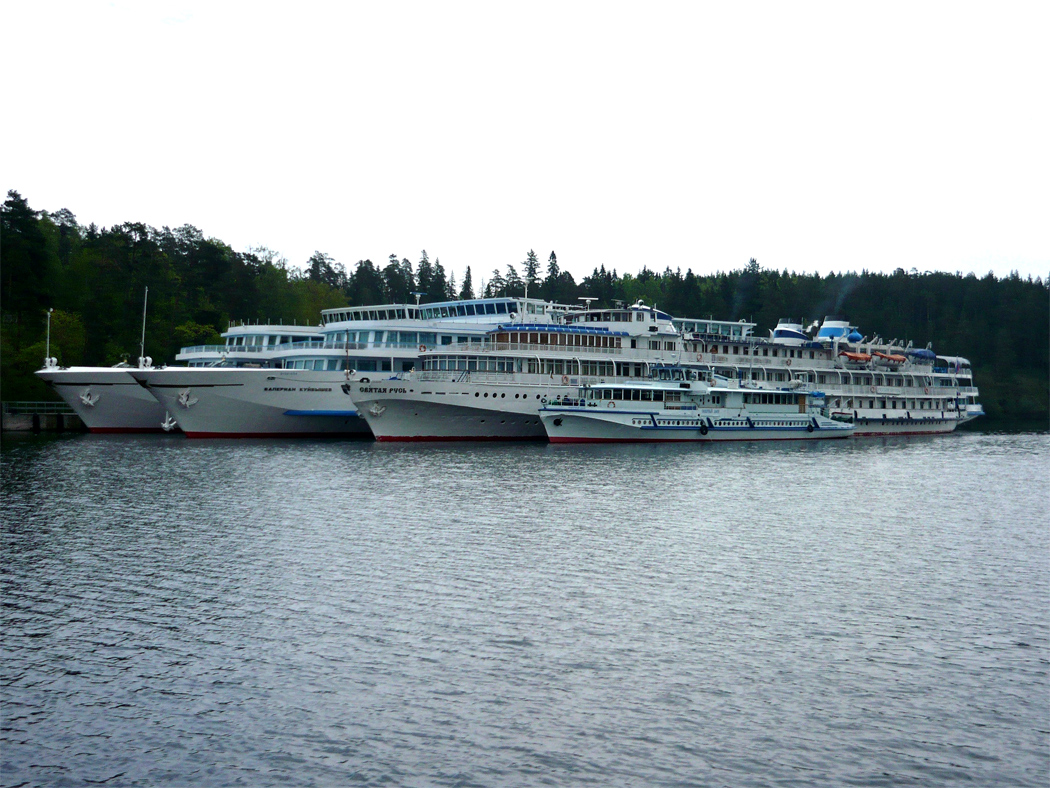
{"type": "Point", "coordinates": [503, 395]}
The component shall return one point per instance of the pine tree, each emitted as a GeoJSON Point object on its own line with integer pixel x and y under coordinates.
{"type": "Point", "coordinates": [425, 278]}
{"type": "Point", "coordinates": [439, 284]}
{"type": "Point", "coordinates": [395, 286]}
{"type": "Point", "coordinates": [467, 291]}
{"type": "Point", "coordinates": [514, 285]}
{"type": "Point", "coordinates": [497, 285]}
{"type": "Point", "coordinates": [550, 283]}
{"type": "Point", "coordinates": [532, 271]}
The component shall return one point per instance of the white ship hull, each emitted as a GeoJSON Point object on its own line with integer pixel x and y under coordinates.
{"type": "Point", "coordinates": [638, 426]}
{"type": "Point", "coordinates": [412, 410]}
{"type": "Point", "coordinates": [437, 410]}
{"type": "Point", "coordinates": [107, 399]}
{"type": "Point", "coordinates": [874, 427]}
{"type": "Point", "coordinates": [255, 403]}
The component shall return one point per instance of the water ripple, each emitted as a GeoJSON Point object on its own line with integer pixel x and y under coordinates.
{"type": "Point", "coordinates": [326, 613]}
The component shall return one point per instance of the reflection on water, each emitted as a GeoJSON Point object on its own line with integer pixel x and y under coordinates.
{"type": "Point", "coordinates": [325, 612]}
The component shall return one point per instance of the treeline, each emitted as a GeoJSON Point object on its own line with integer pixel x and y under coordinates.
{"type": "Point", "coordinates": [93, 278]}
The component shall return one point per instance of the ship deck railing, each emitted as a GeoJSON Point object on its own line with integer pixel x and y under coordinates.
{"type": "Point", "coordinates": [528, 347]}
{"type": "Point", "coordinates": [895, 391]}
{"type": "Point", "coordinates": [475, 376]}
{"type": "Point", "coordinates": [295, 346]}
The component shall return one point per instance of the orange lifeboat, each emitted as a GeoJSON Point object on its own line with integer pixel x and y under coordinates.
{"type": "Point", "coordinates": [890, 359]}
{"type": "Point", "coordinates": [856, 358]}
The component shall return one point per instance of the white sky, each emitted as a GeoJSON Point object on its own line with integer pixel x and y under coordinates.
{"type": "Point", "coordinates": [811, 136]}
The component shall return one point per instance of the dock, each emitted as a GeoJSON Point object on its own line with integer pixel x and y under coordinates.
{"type": "Point", "coordinates": [40, 417]}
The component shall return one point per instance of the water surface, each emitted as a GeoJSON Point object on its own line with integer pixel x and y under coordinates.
{"type": "Point", "coordinates": [864, 612]}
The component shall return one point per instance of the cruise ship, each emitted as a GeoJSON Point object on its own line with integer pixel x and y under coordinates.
{"type": "Point", "coordinates": [301, 391]}
{"type": "Point", "coordinates": [110, 400]}
{"type": "Point", "coordinates": [678, 405]}
{"type": "Point", "coordinates": [887, 387]}
{"type": "Point", "coordinates": [493, 390]}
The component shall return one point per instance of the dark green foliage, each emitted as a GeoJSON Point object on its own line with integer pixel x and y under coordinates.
{"type": "Point", "coordinates": [467, 291]}
{"type": "Point", "coordinates": [496, 286]}
{"type": "Point", "coordinates": [532, 272]}
{"type": "Point", "coordinates": [94, 279]}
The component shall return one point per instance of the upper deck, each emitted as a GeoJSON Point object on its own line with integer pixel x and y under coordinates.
{"type": "Point", "coordinates": [477, 310]}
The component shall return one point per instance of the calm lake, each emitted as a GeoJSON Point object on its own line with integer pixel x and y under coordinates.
{"type": "Point", "coordinates": [271, 613]}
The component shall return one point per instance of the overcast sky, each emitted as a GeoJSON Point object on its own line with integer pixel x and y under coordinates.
{"type": "Point", "coordinates": [811, 136]}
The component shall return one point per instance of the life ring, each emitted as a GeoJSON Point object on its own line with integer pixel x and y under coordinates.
{"type": "Point", "coordinates": [422, 348]}
{"type": "Point", "coordinates": [703, 429]}
{"type": "Point", "coordinates": [787, 363]}
{"type": "Point", "coordinates": [699, 356]}
{"type": "Point", "coordinates": [872, 389]}
{"type": "Point", "coordinates": [926, 390]}
{"type": "Point", "coordinates": [611, 404]}
{"type": "Point", "coordinates": [363, 380]}
{"type": "Point", "coordinates": [565, 380]}
{"type": "Point", "coordinates": [543, 401]}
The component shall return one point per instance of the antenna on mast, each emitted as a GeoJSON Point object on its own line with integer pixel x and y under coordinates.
{"type": "Point", "coordinates": [586, 300]}
{"type": "Point", "coordinates": [418, 295]}
{"type": "Point", "coordinates": [47, 350]}
{"type": "Point", "coordinates": [142, 342]}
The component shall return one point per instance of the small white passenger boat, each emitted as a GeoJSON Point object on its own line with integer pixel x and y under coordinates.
{"type": "Point", "coordinates": [676, 405]}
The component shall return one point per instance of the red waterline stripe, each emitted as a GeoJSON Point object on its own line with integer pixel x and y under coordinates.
{"type": "Point", "coordinates": [279, 435]}
{"type": "Point", "coordinates": [124, 430]}
{"type": "Point", "coordinates": [435, 438]}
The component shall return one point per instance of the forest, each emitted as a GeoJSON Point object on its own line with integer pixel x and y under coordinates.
{"type": "Point", "coordinates": [93, 280]}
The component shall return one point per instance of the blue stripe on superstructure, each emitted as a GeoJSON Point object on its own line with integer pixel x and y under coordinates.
{"type": "Point", "coordinates": [553, 329]}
